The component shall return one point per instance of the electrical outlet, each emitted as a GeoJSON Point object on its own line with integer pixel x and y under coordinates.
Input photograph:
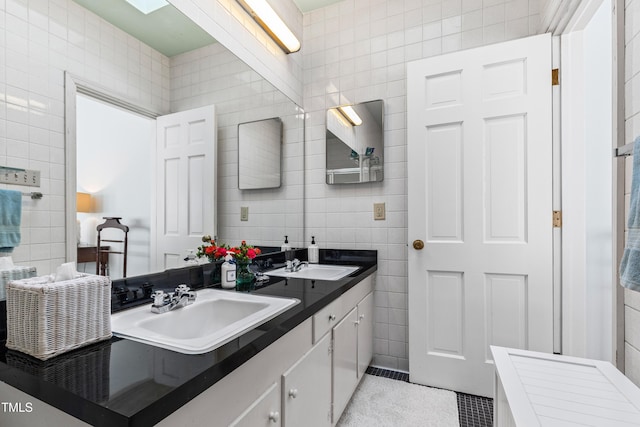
{"type": "Point", "coordinates": [244, 213]}
{"type": "Point", "coordinates": [378, 211]}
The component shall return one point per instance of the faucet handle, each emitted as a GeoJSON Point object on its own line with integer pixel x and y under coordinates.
{"type": "Point", "coordinates": [182, 289]}
{"type": "Point", "coordinates": [158, 298]}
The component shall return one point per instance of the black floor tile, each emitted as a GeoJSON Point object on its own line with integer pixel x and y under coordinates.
{"type": "Point", "coordinates": [475, 411]}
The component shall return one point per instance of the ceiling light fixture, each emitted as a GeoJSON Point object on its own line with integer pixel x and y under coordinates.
{"type": "Point", "coordinates": [147, 6]}
{"type": "Point", "coordinates": [350, 114]}
{"type": "Point", "coordinates": [269, 20]}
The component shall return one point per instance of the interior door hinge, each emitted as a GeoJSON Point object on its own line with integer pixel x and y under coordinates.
{"type": "Point", "coordinates": [557, 219]}
{"type": "Point", "coordinates": [555, 77]}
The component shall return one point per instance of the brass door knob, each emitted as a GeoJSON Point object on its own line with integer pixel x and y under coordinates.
{"type": "Point", "coordinates": [418, 244]}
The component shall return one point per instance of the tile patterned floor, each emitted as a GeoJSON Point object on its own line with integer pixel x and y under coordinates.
{"type": "Point", "coordinates": [473, 411]}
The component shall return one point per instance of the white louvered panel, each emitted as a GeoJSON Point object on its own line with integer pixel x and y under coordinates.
{"type": "Point", "coordinates": [550, 390]}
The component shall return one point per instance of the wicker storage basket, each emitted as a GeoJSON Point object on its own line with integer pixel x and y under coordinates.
{"type": "Point", "coordinates": [45, 318]}
{"type": "Point", "coordinates": [14, 273]}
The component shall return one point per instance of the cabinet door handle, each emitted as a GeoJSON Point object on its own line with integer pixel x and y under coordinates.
{"type": "Point", "coordinates": [293, 393]}
{"type": "Point", "coordinates": [274, 416]}
{"type": "Point", "coordinates": [332, 317]}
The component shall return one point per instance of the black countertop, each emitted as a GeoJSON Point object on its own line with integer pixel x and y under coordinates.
{"type": "Point", "coordinates": [120, 382]}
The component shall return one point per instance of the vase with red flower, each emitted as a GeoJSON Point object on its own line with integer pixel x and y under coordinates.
{"type": "Point", "coordinates": [244, 254]}
{"type": "Point", "coordinates": [215, 253]}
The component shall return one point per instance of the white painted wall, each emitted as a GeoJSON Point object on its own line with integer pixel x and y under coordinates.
{"type": "Point", "coordinates": [356, 51]}
{"type": "Point", "coordinates": [114, 155]}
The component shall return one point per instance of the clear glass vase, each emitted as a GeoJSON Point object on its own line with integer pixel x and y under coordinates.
{"type": "Point", "coordinates": [215, 270]}
{"type": "Point", "coordinates": [245, 279]}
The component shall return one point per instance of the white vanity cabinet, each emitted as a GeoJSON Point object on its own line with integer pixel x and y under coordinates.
{"type": "Point", "coordinates": [306, 388]}
{"type": "Point", "coordinates": [305, 378]}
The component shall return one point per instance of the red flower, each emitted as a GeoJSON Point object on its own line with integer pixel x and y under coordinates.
{"type": "Point", "coordinates": [221, 252]}
{"type": "Point", "coordinates": [210, 250]}
{"type": "Point", "coordinates": [244, 252]}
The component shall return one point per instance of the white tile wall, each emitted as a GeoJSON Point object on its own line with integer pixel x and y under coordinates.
{"type": "Point", "coordinates": [39, 41]}
{"type": "Point", "coordinates": [632, 131]}
{"type": "Point", "coordinates": [213, 75]}
{"type": "Point", "coordinates": [356, 51]}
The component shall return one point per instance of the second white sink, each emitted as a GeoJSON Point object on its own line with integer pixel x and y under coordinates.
{"type": "Point", "coordinates": [316, 272]}
{"type": "Point", "coordinates": [215, 318]}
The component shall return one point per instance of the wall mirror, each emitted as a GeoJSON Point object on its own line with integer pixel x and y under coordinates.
{"type": "Point", "coordinates": [259, 154]}
{"type": "Point", "coordinates": [355, 143]}
{"type": "Point", "coordinates": [199, 71]}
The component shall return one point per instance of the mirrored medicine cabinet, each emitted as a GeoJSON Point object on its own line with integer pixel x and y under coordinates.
{"type": "Point", "coordinates": [355, 143]}
{"type": "Point", "coordinates": [259, 154]}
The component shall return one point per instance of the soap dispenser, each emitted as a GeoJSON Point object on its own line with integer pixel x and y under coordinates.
{"type": "Point", "coordinates": [313, 252]}
{"type": "Point", "coordinates": [228, 273]}
{"type": "Point", "coordinates": [285, 246]}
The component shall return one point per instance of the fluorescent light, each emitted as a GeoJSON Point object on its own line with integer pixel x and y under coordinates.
{"type": "Point", "coordinates": [269, 20]}
{"type": "Point", "coordinates": [147, 6]}
{"type": "Point", "coordinates": [350, 114]}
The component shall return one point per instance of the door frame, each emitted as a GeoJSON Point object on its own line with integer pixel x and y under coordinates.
{"type": "Point", "coordinates": [72, 86]}
{"type": "Point", "coordinates": [574, 245]}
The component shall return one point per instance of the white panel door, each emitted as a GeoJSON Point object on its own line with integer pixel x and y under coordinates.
{"type": "Point", "coordinates": [185, 171]}
{"type": "Point", "coordinates": [480, 194]}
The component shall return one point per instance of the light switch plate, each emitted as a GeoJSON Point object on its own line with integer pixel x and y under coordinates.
{"type": "Point", "coordinates": [378, 211]}
{"type": "Point", "coordinates": [244, 213]}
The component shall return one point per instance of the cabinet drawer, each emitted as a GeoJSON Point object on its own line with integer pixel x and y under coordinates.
{"type": "Point", "coordinates": [333, 313]}
{"type": "Point", "coordinates": [327, 318]}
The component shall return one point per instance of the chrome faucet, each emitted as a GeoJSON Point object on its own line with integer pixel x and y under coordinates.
{"type": "Point", "coordinates": [163, 302]}
{"type": "Point", "coordinates": [295, 265]}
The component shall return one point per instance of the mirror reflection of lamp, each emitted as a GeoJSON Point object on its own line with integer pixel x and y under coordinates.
{"type": "Point", "coordinates": [85, 203]}
{"type": "Point", "coordinates": [350, 114]}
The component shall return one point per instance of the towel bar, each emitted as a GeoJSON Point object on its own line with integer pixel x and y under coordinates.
{"type": "Point", "coordinates": [624, 151]}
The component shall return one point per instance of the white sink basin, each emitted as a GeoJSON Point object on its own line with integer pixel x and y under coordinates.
{"type": "Point", "coordinates": [316, 272]}
{"type": "Point", "coordinates": [215, 318]}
